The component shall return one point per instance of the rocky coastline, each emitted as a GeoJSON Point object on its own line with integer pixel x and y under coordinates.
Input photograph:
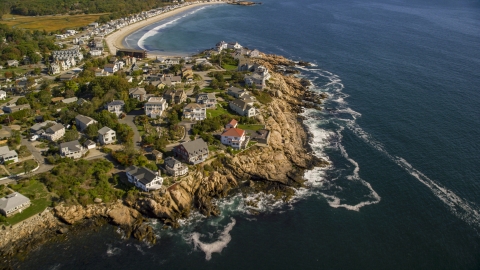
{"type": "Point", "coordinates": [276, 169]}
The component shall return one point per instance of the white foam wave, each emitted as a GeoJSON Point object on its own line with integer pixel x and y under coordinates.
{"type": "Point", "coordinates": [217, 246]}
{"type": "Point", "coordinates": [154, 31]}
{"type": "Point", "coordinates": [113, 251]}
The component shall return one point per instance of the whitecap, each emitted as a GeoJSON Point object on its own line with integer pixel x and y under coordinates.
{"type": "Point", "coordinates": [217, 246]}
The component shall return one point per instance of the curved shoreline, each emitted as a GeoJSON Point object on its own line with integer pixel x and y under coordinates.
{"type": "Point", "coordinates": [115, 40]}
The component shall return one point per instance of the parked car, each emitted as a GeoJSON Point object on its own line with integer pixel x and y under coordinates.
{"type": "Point", "coordinates": [34, 138]}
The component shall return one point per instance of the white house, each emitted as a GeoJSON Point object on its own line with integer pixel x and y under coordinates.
{"type": "Point", "coordinates": [155, 106]}
{"type": "Point", "coordinates": [13, 203]}
{"type": "Point", "coordinates": [54, 133]}
{"type": "Point", "coordinates": [7, 155]}
{"type": "Point", "coordinates": [106, 135]}
{"type": "Point", "coordinates": [55, 68]}
{"type": "Point", "coordinates": [72, 149]}
{"type": "Point", "coordinates": [243, 108]}
{"type": "Point", "coordinates": [144, 178]}
{"type": "Point", "coordinates": [195, 111]}
{"type": "Point", "coordinates": [233, 137]}
{"type": "Point", "coordinates": [3, 95]}
{"type": "Point", "coordinates": [234, 45]}
{"type": "Point", "coordinates": [208, 99]}
{"type": "Point", "coordinates": [83, 121]}
{"type": "Point", "coordinates": [116, 107]}
{"type": "Point", "coordinates": [111, 68]}
{"type": "Point", "coordinates": [174, 167]}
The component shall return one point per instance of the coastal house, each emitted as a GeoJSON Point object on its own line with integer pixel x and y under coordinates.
{"type": "Point", "coordinates": [106, 135]}
{"type": "Point", "coordinates": [8, 155]}
{"type": "Point", "coordinates": [243, 108]}
{"type": "Point", "coordinates": [155, 106]}
{"type": "Point", "coordinates": [174, 167]}
{"type": "Point", "coordinates": [236, 92]}
{"type": "Point", "coordinates": [193, 152]}
{"type": "Point", "coordinates": [13, 203]}
{"type": "Point", "coordinates": [222, 45]}
{"type": "Point", "coordinates": [116, 107]}
{"type": "Point", "coordinates": [234, 137]}
{"type": "Point", "coordinates": [67, 54]}
{"type": "Point", "coordinates": [72, 149]}
{"type": "Point", "coordinates": [138, 93]}
{"type": "Point", "coordinates": [54, 133]}
{"type": "Point", "coordinates": [207, 99]}
{"type": "Point", "coordinates": [232, 124]}
{"type": "Point", "coordinates": [234, 45]}
{"type": "Point", "coordinates": [144, 178]}
{"type": "Point", "coordinates": [83, 121]}
{"type": "Point", "coordinates": [195, 111]}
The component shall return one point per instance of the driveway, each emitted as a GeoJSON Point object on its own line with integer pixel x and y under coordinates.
{"type": "Point", "coordinates": [128, 119]}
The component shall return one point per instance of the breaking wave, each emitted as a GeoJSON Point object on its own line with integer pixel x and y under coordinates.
{"type": "Point", "coordinates": [214, 247]}
{"type": "Point", "coordinates": [157, 29]}
{"type": "Point", "coordinates": [326, 128]}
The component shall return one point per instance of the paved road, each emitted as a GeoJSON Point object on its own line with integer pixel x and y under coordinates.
{"type": "Point", "coordinates": [129, 121]}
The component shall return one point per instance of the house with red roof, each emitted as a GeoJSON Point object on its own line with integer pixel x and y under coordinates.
{"type": "Point", "coordinates": [233, 136]}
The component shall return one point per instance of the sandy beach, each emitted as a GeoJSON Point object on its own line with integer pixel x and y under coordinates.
{"type": "Point", "coordinates": [115, 40]}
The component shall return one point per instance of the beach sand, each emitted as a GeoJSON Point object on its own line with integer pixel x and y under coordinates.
{"type": "Point", "coordinates": [115, 40]}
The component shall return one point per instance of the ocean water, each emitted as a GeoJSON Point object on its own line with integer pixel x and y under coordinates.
{"type": "Point", "coordinates": [401, 128]}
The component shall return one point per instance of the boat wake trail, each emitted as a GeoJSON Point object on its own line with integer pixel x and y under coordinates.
{"type": "Point", "coordinates": [466, 211]}
{"type": "Point", "coordinates": [339, 117]}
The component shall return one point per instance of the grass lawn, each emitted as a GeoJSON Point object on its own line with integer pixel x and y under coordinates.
{"type": "Point", "coordinates": [39, 196]}
{"type": "Point", "coordinates": [5, 100]}
{"type": "Point", "coordinates": [210, 90]}
{"type": "Point", "coordinates": [218, 111]}
{"type": "Point", "coordinates": [49, 23]}
{"type": "Point", "coordinates": [251, 127]}
{"type": "Point", "coordinates": [17, 168]}
{"type": "Point", "coordinates": [18, 71]}
{"type": "Point", "coordinates": [229, 67]}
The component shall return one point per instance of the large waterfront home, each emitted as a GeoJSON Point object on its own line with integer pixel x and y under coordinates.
{"type": "Point", "coordinates": [13, 203]}
{"type": "Point", "coordinates": [193, 152]}
{"type": "Point", "coordinates": [233, 136]}
{"type": "Point", "coordinates": [174, 167]}
{"type": "Point", "coordinates": [243, 108]}
{"type": "Point", "coordinates": [144, 178]}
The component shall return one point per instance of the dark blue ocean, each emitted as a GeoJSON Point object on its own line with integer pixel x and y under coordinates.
{"type": "Point", "coordinates": [401, 128]}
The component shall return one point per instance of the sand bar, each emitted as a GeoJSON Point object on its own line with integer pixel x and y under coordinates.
{"type": "Point", "coordinates": [115, 40]}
